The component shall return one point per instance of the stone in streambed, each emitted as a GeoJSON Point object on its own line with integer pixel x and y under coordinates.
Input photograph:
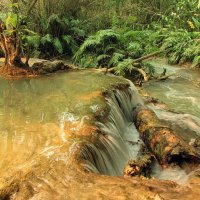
{"type": "Point", "coordinates": [139, 167]}
{"type": "Point", "coordinates": [46, 67]}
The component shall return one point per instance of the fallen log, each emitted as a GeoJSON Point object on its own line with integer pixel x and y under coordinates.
{"type": "Point", "coordinates": [161, 140]}
{"type": "Point", "coordinates": [148, 56]}
{"type": "Point", "coordinates": [141, 71]}
{"type": "Point", "coordinates": [162, 78]}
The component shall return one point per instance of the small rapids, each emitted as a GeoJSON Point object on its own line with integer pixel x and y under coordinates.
{"type": "Point", "coordinates": [181, 94]}
{"type": "Point", "coordinates": [180, 91]}
{"type": "Point", "coordinates": [119, 140]}
{"type": "Point", "coordinates": [56, 130]}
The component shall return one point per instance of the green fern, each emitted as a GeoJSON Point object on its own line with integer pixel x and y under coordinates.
{"type": "Point", "coordinates": [47, 39]}
{"type": "Point", "coordinates": [77, 31]}
{"type": "Point", "coordinates": [115, 59]}
{"type": "Point", "coordinates": [58, 45]}
{"type": "Point", "coordinates": [123, 66]}
{"type": "Point", "coordinates": [135, 49]}
{"type": "Point", "coordinates": [189, 53]}
{"type": "Point", "coordinates": [102, 43]}
{"type": "Point", "coordinates": [136, 36]}
{"type": "Point", "coordinates": [118, 49]}
{"type": "Point", "coordinates": [61, 35]}
{"type": "Point", "coordinates": [56, 25]}
{"type": "Point", "coordinates": [30, 45]}
{"type": "Point", "coordinates": [196, 61]}
{"type": "Point", "coordinates": [31, 41]}
{"type": "Point", "coordinates": [88, 61]}
{"type": "Point", "coordinates": [67, 38]}
{"type": "Point", "coordinates": [102, 59]}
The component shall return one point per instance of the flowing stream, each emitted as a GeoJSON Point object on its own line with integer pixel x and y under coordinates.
{"type": "Point", "coordinates": [181, 94]}
{"type": "Point", "coordinates": [181, 91]}
{"type": "Point", "coordinates": [54, 128]}
{"type": "Point", "coordinates": [69, 135]}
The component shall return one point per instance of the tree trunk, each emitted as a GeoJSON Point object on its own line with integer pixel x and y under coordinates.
{"type": "Point", "coordinates": [10, 43]}
{"type": "Point", "coordinates": [161, 140]}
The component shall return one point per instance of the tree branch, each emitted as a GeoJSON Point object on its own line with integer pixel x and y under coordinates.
{"type": "Point", "coordinates": [141, 71]}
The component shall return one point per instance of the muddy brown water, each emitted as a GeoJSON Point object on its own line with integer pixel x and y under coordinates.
{"type": "Point", "coordinates": [68, 136]}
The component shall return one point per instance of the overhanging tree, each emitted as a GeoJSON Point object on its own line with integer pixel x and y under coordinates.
{"type": "Point", "coordinates": [10, 41]}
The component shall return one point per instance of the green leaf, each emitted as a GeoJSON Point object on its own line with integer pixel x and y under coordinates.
{"type": "Point", "coordinates": [11, 21]}
{"type": "Point", "coordinates": [196, 62]}
{"type": "Point", "coordinates": [57, 44]}
{"type": "Point", "coordinates": [3, 17]}
{"type": "Point", "coordinates": [67, 38]}
{"type": "Point", "coordinates": [196, 22]}
{"type": "Point", "coordinates": [32, 41]}
{"type": "Point", "coordinates": [102, 57]}
{"type": "Point", "coordinates": [46, 39]}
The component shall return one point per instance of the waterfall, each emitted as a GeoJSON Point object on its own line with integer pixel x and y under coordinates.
{"type": "Point", "coordinates": [118, 141]}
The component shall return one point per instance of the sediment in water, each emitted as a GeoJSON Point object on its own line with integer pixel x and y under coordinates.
{"type": "Point", "coordinates": [62, 169]}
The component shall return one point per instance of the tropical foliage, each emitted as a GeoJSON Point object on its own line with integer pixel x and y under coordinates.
{"type": "Point", "coordinates": [111, 48]}
{"type": "Point", "coordinates": [108, 33]}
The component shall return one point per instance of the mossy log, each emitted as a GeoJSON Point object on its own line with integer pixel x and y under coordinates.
{"type": "Point", "coordinates": [161, 140]}
{"type": "Point", "coordinates": [139, 167]}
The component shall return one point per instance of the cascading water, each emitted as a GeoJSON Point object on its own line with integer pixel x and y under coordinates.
{"type": "Point", "coordinates": [118, 141]}
{"type": "Point", "coordinates": [180, 94]}
{"type": "Point", "coordinates": [48, 124]}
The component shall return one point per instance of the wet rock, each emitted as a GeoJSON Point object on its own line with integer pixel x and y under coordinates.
{"type": "Point", "coordinates": [149, 99]}
{"type": "Point", "coordinates": [139, 167]}
{"type": "Point", "coordinates": [45, 67]}
{"type": "Point", "coordinates": [197, 142]}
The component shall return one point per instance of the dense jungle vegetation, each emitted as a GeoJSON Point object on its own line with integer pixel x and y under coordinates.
{"type": "Point", "coordinates": [103, 33]}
